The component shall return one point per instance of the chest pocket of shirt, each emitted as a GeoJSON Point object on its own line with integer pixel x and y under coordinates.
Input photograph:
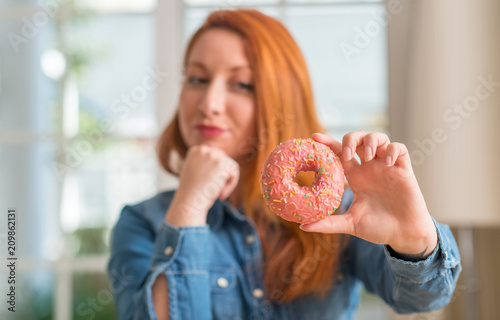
{"type": "Point", "coordinates": [226, 293]}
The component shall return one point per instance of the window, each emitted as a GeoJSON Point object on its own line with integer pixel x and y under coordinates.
{"type": "Point", "coordinates": [116, 88]}
{"type": "Point", "coordinates": [80, 97]}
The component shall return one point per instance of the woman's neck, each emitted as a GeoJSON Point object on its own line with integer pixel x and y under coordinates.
{"type": "Point", "coordinates": [234, 198]}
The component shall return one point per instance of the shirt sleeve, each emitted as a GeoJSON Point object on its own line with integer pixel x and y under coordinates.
{"type": "Point", "coordinates": [407, 286]}
{"type": "Point", "coordinates": [139, 256]}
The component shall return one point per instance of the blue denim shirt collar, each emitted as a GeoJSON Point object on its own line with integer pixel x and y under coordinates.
{"type": "Point", "coordinates": [220, 210]}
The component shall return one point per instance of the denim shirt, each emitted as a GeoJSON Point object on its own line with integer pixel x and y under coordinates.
{"type": "Point", "coordinates": [214, 271]}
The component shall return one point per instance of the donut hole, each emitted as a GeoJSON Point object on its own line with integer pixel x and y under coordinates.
{"type": "Point", "coordinates": [304, 178]}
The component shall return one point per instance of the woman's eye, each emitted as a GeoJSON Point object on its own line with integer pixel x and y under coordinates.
{"type": "Point", "coordinates": [244, 86]}
{"type": "Point", "coordinates": [196, 80]}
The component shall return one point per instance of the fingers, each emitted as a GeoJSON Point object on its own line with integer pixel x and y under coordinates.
{"type": "Point", "coordinates": [210, 170]}
{"type": "Point", "coordinates": [375, 144]}
{"type": "Point", "coordinates": [378, 145]}
{"type": "Point", "coordinates": [233, 172]}
{"type": "Point", "coordinates": [226, 174]}
{"type": "Point", "coordinates": [351, 144]}
{"type": "Point", "coordinates": [397, 154]}
{"type": "Point", "coordinates": [331, 224]}
{"type": "Point", "coordinates": [367, 146]}
{"type": "Point", "coordinates": [336, 147]}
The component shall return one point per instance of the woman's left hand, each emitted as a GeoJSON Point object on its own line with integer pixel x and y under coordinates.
{"type": "Point", "coordinates": [388, 206]}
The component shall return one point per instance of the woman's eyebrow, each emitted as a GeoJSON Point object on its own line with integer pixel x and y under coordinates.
{"type": "Point", "coordinates": [239, 67]}
{"type": "Point", "coordinates": [196, 63]}
{"type": "Point", "coordinates": [201, 65]}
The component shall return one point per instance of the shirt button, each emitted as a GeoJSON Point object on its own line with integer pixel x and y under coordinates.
{"type": "Point", "coordinates": [258, 293]}
{"type": "Point", "coordinates": [340, 277]}
{"type": "Point", "coordinates": [222, 282]}
{"type": "Point", "coordinates": [250, 239]}
{"type": "Point", "coordinates": [168, 250]}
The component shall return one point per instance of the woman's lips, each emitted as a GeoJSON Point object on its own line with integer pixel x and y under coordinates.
{"type": "Point", "coordinates": [209, 131]}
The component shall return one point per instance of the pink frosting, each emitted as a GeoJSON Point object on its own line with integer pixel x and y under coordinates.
{"type": "Point", "coordinates": [302, 204]}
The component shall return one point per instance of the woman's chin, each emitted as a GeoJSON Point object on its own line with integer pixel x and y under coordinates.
{"type": "Point", "coordinates": [211, 143]}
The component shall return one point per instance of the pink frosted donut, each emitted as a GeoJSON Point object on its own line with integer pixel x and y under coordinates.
{"type": "Point", "coordinates": [302, 204]}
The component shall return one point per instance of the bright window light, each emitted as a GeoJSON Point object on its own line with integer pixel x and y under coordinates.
{"type": "Point", "coordinates": [122, 6]}
{"type": "Point", "coordinates": [53, 64]}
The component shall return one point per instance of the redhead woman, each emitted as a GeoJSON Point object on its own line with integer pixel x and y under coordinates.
{"type": "Point", "coordinates": [212, 249]}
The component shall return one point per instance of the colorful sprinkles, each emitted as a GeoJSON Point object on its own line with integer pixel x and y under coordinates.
{"type": "Point", "coordinates": [282, 192]}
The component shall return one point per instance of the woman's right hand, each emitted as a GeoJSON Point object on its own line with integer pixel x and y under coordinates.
{"type": "Point", "coordinates": [207, 174]}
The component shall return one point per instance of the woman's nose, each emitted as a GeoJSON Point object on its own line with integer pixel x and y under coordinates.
{"type": "Point", "coordinates": [214, 101]}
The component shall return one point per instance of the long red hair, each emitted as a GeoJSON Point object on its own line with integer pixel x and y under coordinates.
{"type": "Point", "coordinates": [296, 263]}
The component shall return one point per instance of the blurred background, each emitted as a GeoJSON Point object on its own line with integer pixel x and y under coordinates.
{"type": "Point", "coordinates": [86, 87]}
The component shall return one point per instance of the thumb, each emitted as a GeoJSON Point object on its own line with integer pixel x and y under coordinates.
{"type": "Point", "coordinates": [332, 224]}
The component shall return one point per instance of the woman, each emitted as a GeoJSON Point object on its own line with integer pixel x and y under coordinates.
{"type": "Point", "coordinates": [212, 249]}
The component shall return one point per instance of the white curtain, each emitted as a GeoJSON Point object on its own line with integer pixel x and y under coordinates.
{"type": "Point", "coordinates": [444, 60]}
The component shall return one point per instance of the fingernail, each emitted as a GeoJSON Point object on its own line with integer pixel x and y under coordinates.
{"type": "Point", "coordinates": [368, 153]}
{"type": "Point", "coordinates": [347, 153]}
{"type": "Point", "coordinates": [388, 161]}
{"type": "Point", "coordinates": [300, 227]}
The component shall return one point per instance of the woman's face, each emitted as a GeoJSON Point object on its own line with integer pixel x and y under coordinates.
{"type": "Point", "coordinates": [217, 103]}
